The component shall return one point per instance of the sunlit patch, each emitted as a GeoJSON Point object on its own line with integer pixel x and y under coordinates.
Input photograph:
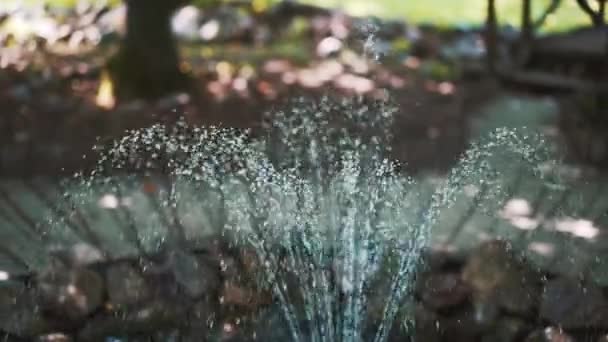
{"type": "Point", "coordinates": [444, 248]}
{"type": "Point", "coordinates": [228, 328]}
{"type": "Point", "coordinates": [267, 89]}
{"type": "Point", "coordinates": [329, 70]}
{"type": "Point", "coordinates": [338, 27]}
{"type": "Point", "coordinates": [446, 88]}
{"type": "Point", "coordinates": [105, 95]}
{"type": "Point", "coordinates": [542, 248]}
{"type": "Point", "coordinates": [309, 78]}
{"type": "Point", "coordinates": [72, 290]}
{"type": "Point", "coordinates": [86, 254]}
{"type": "Point", "coordinates": [397, 82]}
{"type": "Point", "coordinates": [524, 223]}
{"type": "Point", "coordinates": [260, 6]}
{"type": "Point", "coordinates": [247, 72]}
{"type": "Point", "coordinates": [412, 62]}
{"type": "Point", "coordinates": [239, 84]}
{"type": "Point", "coordinates": [483, 236]}
{"type": "Point", "coordinates": [4, 276]}
{"type": "Point", "coordinates": [185, 22]}
{"type": "Point", "coordinates": [276, 66]}
{"type": "Point", "coordinates": [442, 88]}
{"type": "Point", "coordinates": [359, 84]}
{"type": "Point", "coordinates": [578, 227]}
{"type": "Point", "coordinates": [518, 211]}
{"type": "Point", "coordinates": [217, 89]}
{"type": "Point", "coordinates": [355, 62]}
{"type": "Point", "coordinates": [58, 337]}
{"type": "Point", "coordinates": [76, 39]}
{"type": "Point", "coordinates": [289, 77]}
{"type": "Point", "coordinates": [328, 46]}
{"type": "Point", "coordinates": [517, 207]}
{"type": "Point", "coordinates": [109, 201]}
{"type": "Point", "coordinates": [224, 72]}
{"type": "Point", "coordinates": [209, 30]}
{"type": "Point", "coordinates": [471, 190]}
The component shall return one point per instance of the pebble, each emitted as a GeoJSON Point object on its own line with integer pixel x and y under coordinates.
{"type": "Point", "coordinates": [574, 304]}
{"type": "Point", "coordinates": [549, 334]}
{"type": "Point", "coordinates": [126, 285]}
{"type": "Point", "coordinates": [70, 293]}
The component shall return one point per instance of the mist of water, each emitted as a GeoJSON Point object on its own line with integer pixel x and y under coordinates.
{"type": "Point", "coordinates": [338, 229]}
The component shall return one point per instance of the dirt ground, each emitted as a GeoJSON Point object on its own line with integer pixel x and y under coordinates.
{"type": "Point", "coordinates": [54, 132]}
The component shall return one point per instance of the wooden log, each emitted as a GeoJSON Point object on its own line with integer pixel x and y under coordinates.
{"type": "Point", "coordinates": [586, 44]}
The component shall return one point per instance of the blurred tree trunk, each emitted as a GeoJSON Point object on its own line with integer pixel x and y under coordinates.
{"type": "Point", "coordinates": [491, 36]}
{"type": "Point", "coordinates": [526, 22]}
{"type": "Point", "coordinates": [597, 16]}
{"type": "Point", "coordinates": [527, 33]}
{"type": "Point", "coordinates": [147, 64]}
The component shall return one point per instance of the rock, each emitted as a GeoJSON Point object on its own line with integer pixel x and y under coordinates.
{"type": "Point", "coordinates": [465, 47]}
{"type": "Point", "coordinates": [21, 93]}
{"type": "Point", "coordinates": [194, 275]}
{"type": "Point", "coordinates": [270, 326]}
{"type": "Point", "coordinates": [70, 293]}
{"type": "Point", "coordinates": [19, 315]}
{"type": "Point", "coordinates": [55, 337]}
{"type": "Point", "coordinates": [9, 294]}
{"type": "Point", "coordinates": [572, 304]}
{"type": "Point", "coordinates": [229, 268]}
{"type": "Point", "coordinates": [443, 290]}
{"type": "Point", "coordinates": [212, 246]}
{"type": "Point", "coordinates": [441, 260]}
{"type": "Point", "coordinates": [461, 326]}
{"type": "Point", "coordinates": [251, 264]}
{"type": "Point", "coordinates": [79, 255]}
{"type": "Point", "coordinates": [507, 329]}
{"type": "Point", "coordinates": [486, 313]}
{"type": "Point", "coordinates": [186, 22]}
{"type": "Point", "coordinates": [427, 326]}
{"type": "Point", "coordinates": [155, 315]}
{"type": "Point", "coordinates": [496, 274]}
{"type": "Point", "coordinates": [126, 286]}
{"type": "Point", "coordinates": [113, 20]}
{"type": "Point", "coordinates": [233, 294]}
{"type": "Point", "coordinates": [202, 319]}
{"type": "Point", "coordinates": [549, 334]}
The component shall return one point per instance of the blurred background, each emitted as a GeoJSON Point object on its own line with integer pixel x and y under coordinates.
{"type": "Point", "coordinates": [76, 75]}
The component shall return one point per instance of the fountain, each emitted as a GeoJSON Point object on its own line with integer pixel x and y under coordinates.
{"type": "Point", "coordinates": [337, 230]}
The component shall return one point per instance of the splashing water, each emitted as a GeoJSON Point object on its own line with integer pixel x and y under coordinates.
{"type": "Point", "coordinates": [338, 230]}
{"type": "Point", "coordinates": [371, 49]}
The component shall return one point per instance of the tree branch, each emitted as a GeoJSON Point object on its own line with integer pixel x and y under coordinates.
{"type": "Point", "coordinates": [553, 6]}
{"type": "Point", "coordinates": [596, 17]}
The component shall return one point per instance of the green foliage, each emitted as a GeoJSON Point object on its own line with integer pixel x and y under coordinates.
{"type": "Point", "coordinates": [205, 3]}
{"type": "Point", "coordinates": [58, 3]}
{"type": "Point", "coordinates": [438, 70]}
{"type": "Point", "coordinates": [465, 12]}
{"type": "Point", "coordinates": [442, 12]}
{"type": "Point", "coordinates": [401, 45]}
